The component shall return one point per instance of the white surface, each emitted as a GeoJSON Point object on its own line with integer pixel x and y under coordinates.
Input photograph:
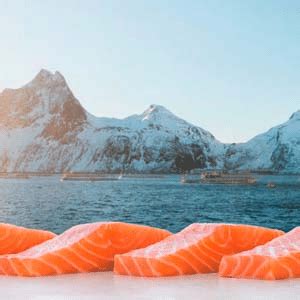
{"type": "Point", "coordinates": [109, 286]}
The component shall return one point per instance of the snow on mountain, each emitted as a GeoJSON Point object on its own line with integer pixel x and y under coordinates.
{"type": "Point", "coordinates": [43, 127]}
{"type": "Point", "coordinates": [278, 149]}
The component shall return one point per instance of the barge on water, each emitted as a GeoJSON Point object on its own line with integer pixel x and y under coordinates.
{"type": "Point", "coordinates": [220, 177]}
{"type": "Point", "coordinates": [89, 177]}
{"type": "Point", "coordinates": [14, 176]}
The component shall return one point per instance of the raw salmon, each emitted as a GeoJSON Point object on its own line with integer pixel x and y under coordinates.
{"type": "Point", "coordinates": [196, 249]}
{"type": "Point", "coordinates": [14, 239]}
{"type": "Point", "coordinates": [82, 248]}
{"type": "Point", "coordinates": [277, 259]}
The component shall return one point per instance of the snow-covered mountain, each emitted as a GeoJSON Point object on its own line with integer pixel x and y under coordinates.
{"type": "Point", "coordinates": [278, 149]}
{"type": "Point", "coordinates": [44, 128]}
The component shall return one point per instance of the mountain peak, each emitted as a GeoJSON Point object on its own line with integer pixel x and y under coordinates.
{"type": "Point", "coordinates": [158, 108]}
{"type": "Point", "coordinates": [47, 77]}
{"type": "Point", "coordinates": [47, 98]}
{"type": "Point", "coordinates": [295, 115]}
{"type": "Point", "coordinates": [155, 109]}
{"type": "Point", "coordinates": [43, 73]}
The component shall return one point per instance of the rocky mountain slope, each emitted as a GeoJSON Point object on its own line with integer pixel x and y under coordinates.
{"type": "Point", "coordinates": [278, 149]}
{"type": "Point", "coordinates": [44, 128]}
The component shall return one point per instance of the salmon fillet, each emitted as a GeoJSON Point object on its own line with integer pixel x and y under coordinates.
{"type": "Point", "coordinates": [196, 249]}
{"type": "Point", "coordinates": [14, 239]}
{"type": "Point", "coordinates": [82, 248]}
{"type": "Point", "coordinates": [277, 259]}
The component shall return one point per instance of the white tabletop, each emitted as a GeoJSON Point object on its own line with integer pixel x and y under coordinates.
{"type": "Point", "coordinates": [106, 285]}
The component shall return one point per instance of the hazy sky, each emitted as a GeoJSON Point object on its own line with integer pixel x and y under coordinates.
{"type": "Point", "coordinates": [231, 67]}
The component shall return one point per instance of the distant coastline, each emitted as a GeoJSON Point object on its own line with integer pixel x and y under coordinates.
{"type": "Point", "coordinates": [141, 174]}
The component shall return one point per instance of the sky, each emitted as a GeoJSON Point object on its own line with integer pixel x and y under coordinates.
{"type": "Point", "coordinates": [231, 67]}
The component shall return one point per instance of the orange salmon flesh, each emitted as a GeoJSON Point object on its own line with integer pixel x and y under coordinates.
{"type": "Point", "coordinates": [82, 248]}
{"type": "Point", "coordinates": [14, 239]}
{"type": "Point", "coordinates": [277, 259]}
{"type": "Point", "coordinates": [198, 248]}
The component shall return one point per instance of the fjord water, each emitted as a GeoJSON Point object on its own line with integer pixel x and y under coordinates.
{"type": "Point", "coordinates": [47, 203]}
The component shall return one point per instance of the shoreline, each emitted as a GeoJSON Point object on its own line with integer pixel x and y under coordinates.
{"type": "Point", "coordinates": [133, 174]}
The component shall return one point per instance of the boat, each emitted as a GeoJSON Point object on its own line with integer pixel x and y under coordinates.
{"type": "Point", "coordinates": [89, 177]}
{"type": "Point", "coordinates": [221, 177]}
{"type": "Point", "coordinates": [14, 176]}
{"type": "Point", "coordinates": [271, 185]}
{"type": "Point", "coordinates": [143, 176]}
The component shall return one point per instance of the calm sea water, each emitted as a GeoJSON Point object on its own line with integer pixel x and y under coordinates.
{"type": "Point", "coordinates": [50, 204]}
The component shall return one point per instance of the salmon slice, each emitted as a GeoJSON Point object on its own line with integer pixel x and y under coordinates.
{"type": "Point", "coordinates": [14, 239]}
{"type": "Point", "coordinates": [82, 248]}
{"type": "Point", "coordinates": [196, 249]}
{"type": "Point", "coordinates": [277, 259]}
